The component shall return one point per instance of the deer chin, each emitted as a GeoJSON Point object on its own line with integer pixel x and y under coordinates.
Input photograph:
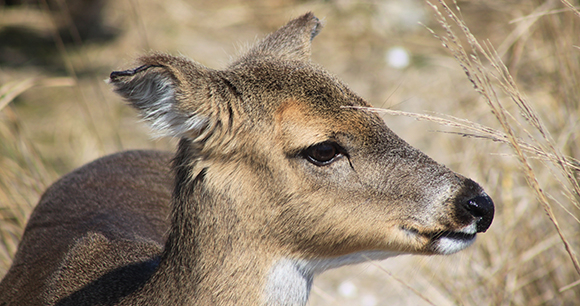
{"type": "Point", "coordinates": [450, 242]}
{"type": "Point", "coordinates": [446, 242]}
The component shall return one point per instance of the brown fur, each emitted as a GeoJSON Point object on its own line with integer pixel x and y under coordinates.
{"type": "Point", "coordinates": [248, 194]}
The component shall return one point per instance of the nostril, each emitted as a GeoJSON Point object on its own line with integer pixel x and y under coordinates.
{"type": "Point", "coordinates": [481, 207]}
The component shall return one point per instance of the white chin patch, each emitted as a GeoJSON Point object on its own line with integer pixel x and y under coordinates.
{"type": "Point", "coordinates": [454, 242]}
{"type": "Point", "coordinates": [450, 245]}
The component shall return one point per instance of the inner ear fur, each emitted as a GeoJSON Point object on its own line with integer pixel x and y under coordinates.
{"type": "Point", "coordinates": [174, 94]}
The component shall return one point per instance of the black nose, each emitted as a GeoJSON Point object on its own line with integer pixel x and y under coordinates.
{"type": "Point", "coordinates": [481, 207]}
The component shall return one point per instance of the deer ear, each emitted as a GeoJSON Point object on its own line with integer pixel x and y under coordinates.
{"type": "Point", "coordinates": [290, 42]}
{"type": "Point", "coordinates": [172, 93]}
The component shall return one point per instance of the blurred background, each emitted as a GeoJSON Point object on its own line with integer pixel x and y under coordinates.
{"type": "Point", "coordinates": [57, 113]}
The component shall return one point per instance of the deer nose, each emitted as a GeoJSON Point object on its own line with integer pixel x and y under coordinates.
{"type": "Point", "coordinates": [481, 207]}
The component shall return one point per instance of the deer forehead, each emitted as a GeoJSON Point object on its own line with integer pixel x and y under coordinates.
{"type": "Point", "coordinates": [301, 122]}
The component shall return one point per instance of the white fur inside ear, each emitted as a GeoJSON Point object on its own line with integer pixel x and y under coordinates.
{"type": "Point", "coordinates": [155, 96]}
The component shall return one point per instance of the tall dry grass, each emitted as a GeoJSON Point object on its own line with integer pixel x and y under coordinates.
{"type": "Point", "coordinates": [521, 122]}
{"type": "Point", "coordinates": [486, 81]}
{"type": "Point", "coordinates": [531, 276]}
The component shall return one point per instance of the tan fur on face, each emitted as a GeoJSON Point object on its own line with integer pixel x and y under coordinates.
{"type": "Point", "coordinates": [296, 128]}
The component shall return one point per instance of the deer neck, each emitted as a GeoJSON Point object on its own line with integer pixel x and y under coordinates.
{"type": "Point", "coordinates": [204, 262]}
{"type": "Point", "coordinates": [211, 257]}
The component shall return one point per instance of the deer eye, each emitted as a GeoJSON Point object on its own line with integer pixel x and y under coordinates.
{"type": "Point", "coordinates": [323, 153]}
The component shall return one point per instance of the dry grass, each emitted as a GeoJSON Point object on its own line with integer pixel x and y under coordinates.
{"type": "Point", "coordinates": [483, 79]}
{"type": "Point", "coordinates": [56, 114]}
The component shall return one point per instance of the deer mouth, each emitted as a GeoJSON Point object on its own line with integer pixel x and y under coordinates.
{"type": "Point", "coordinates": [454, 235]}
{"type": "Point", "coordinates": [448, 241]}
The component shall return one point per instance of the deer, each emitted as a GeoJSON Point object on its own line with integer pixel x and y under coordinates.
{"type": "Point", "coordinates": [281, 172]}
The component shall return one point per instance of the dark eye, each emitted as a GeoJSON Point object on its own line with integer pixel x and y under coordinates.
{"type": "Point", "coordinates": [322, 154]}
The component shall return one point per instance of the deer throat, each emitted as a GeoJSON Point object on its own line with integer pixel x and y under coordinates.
{"type": "Point", "coordinates": [289, 280]}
